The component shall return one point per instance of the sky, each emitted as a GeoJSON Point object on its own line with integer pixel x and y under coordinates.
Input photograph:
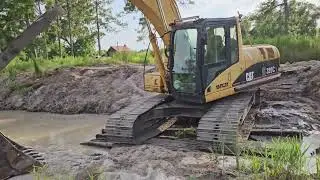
{"type": "Point", "coordinates": [202, 8]}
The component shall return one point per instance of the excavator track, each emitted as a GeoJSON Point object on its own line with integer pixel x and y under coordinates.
{"type": "Point", "coordinates": [16, 159]}
{"type": "Point", "coordinates": [29, 152]}
{"type": "Point", "coordinates": [220, 124]}
{"type": "Point", "coordinates": [225, 125]}
{"type": "Point", "coordinates": [119, 128]}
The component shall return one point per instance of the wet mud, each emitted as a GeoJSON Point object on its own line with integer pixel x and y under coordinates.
{"type": "Point", "coordinates": [292, 102]}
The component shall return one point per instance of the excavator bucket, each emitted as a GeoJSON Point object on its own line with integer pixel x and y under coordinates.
{"type": "Point", "coordinates": [16, 159]}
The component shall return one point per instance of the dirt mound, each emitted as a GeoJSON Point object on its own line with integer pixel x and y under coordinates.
{"type": "Point", "coordinates": [74, 90]}
{"type": "Point", "coordinates": [292, 102]}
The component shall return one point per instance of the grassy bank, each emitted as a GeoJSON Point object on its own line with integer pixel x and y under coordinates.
{"type": "Point", "coordinates": [133, 57]}
{"type": "Point", "coordinates": [293, 49]}
{"type": "Point", "coordinates": [281, 159]}
{"type": "Point", "coordinates": [42, 65]}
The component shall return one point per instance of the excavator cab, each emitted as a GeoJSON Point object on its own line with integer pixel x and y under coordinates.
{"type": "Point", "coordinates": [200, 50]}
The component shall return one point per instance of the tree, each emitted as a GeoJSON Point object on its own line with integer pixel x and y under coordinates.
{"type": "Point", "coordinates": [284, 17]}
{"type": "Point", "coordinates": [74, 33]}
{"type": "Point", "coordinates": [105, 19]}
{"type": "Point", "coordinates": [77, 32]}
{"type": "Point", "coordinates": [14, 17]}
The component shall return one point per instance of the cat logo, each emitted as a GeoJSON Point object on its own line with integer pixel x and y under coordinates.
{"type": "Point", "coordinates": [249, 76]}
{"type": "Point", "coordinates": [222, 85]}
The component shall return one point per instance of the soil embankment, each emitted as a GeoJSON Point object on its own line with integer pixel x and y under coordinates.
{"type": "Point", "coordinates": [74, 90]}
{"type": "Point", "coordinates": [110, 88]}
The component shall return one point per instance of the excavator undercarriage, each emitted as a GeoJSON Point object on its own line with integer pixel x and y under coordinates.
{"type": "Point", "coordinates": [222, 123]}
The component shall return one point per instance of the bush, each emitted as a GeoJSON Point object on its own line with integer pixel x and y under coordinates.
{"type": "Point", "coordinates": [39, 66]}
{"type": "Point", "coordinates": [293, 48]}
{"type": "Point", "coordinates": [133, 57]}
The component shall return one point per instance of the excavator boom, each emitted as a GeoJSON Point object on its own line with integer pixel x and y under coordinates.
{"type": "Point", "coordinates": [16, 159]}
{"type": "Point", "coordinates": [159, 13]}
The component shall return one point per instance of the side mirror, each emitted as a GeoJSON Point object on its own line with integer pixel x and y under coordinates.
{"type": "Point", "coordinates": [240, 16]}
{"type": "Point", "coordinates": [167, 52]}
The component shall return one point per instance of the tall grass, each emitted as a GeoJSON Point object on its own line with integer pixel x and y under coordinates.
{"type": "Point", "coordinates": [317, 175]}
{"type": "Point", "coordinates": [293, 48]}
{"type": "Point", "coordinates": [43, 173]}
{"type": "Point", "coordinates": [133, 57]}
{"type": "Point", "coordinates": [38, 66]}
{"type": "Point", "coordinates": [281, 159]}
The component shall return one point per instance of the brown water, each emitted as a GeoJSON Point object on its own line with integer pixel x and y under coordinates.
{"type": "Point", "coordinates": [45, 129]}
{"type": "Point", "coordinates": [57, 137]}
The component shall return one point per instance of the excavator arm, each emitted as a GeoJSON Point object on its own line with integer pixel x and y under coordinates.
{"type": "Point", "coordinates": [160, 13]}
{"type": "Point", "coordinates": [14, 158]}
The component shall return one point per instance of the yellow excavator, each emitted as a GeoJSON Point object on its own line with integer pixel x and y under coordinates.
{"type": "Point", "coordinates": [16, 159]}
{"type": "Point", "coordinates": [208, 81]}
{"type": "Point", "coordinates": [205, 81]}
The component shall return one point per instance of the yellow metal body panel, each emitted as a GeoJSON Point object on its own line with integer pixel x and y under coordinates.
{"type": "Point", "coordinates": [251, 55]}
{"type": "Point", "coordinates": [248, 56]}
{"type": "Point", "coordinates": [153, 82]}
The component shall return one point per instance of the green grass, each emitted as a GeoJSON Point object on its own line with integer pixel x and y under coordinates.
{"type": "Point", "coordinates": [133, 57]}
{"type": "Point", "coordinates": [317, 175]}
{"type": "Point", "coordinates": [39, 66]}
{"type": "Point", "coordinates": [43, 173]}
{"type": "Point", "coordinates": [186, 132]}
{"type": "Point", "coordinates": [293, 48]}
{"type": "Point", "coordinates": [281, 159]}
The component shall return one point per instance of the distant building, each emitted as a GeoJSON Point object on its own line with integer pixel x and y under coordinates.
{"type": "Point", "coordinates": [117, 49]}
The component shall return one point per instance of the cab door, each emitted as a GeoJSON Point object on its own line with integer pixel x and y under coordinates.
{"type": "Point", "coordinates": [215, 53]}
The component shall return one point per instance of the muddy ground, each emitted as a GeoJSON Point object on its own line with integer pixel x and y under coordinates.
{"type": "Point", "coordinates": [290, 103]}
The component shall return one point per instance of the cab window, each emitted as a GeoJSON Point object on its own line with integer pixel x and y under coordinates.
{"type": "Point", "coordinates": [220, 50]}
